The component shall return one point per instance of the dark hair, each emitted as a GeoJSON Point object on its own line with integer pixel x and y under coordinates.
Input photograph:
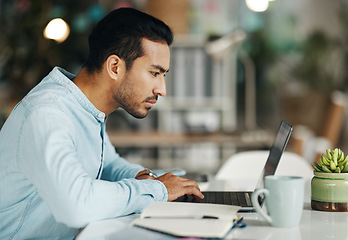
{"type": "Point", "coordinates": [121, 33]}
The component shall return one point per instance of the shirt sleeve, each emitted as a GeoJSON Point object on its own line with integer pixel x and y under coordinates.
{"type": "Point", "coordinates": [47, 157]}
{"type": "Point", "coordinates": [116, 167]}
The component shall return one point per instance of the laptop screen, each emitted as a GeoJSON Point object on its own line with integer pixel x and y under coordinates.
{"type": "Point", "coordinates": [276, 151]}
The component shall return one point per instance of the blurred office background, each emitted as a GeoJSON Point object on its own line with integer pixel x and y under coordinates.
{"type": "Point", "coordinates": [238, 67]}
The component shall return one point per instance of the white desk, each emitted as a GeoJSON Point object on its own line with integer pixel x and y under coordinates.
{"type": "Point", "coordinates": [314, 225]}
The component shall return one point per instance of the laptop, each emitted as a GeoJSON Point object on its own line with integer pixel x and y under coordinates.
{"type": "Point", "coordinates": [243, 198]}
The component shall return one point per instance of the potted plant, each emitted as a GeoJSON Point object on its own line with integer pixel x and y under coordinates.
{"type": "Point", "coordinates": [329, 186]}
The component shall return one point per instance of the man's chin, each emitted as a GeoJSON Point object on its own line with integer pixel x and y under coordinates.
{"type": "Point", "coordinates": [139, 115]}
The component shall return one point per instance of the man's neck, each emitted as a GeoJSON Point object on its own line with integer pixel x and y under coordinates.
{"type": "Point", "coordinates": [95, 87]}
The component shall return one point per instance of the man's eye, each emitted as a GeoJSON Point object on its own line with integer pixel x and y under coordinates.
{"type": "Point", "coordinates": [155, 74]}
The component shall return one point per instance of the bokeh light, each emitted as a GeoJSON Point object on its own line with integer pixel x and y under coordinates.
{"type": "Point", "coordinates": [57, 29]}
{"type": "Point", "coordinates": [257, 5]}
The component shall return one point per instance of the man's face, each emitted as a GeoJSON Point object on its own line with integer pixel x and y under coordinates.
{"type": "Point", "coordinates": [144, 82]}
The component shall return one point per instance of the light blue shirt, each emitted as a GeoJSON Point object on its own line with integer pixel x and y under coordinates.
{"type": "Point", "coordinates": [58, 169]}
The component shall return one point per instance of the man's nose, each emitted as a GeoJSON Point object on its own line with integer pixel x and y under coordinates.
{"type": "Point", "coordinates": [160, 89]}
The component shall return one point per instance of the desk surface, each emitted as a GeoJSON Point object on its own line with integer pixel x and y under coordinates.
{"type": "Point", "coordinates": [314, 225]}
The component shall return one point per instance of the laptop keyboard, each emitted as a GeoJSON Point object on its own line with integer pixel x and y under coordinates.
{"type": "Point", "coordinates": [229, 198]}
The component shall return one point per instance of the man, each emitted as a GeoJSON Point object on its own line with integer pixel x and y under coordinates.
{"type": "Point", "coordinates": [58, 169]}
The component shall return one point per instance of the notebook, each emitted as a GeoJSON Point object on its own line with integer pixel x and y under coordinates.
{"type": "Point", "coordinates": [243, 198]}
{"type": "Point", "coordinates": [189, 219]}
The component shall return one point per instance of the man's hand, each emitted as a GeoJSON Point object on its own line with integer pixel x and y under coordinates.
{"type": "Point", "coordinates": [177, 186]}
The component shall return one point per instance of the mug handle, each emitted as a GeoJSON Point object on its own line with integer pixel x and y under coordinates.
{"type": "Point", "coordinates": [255, 202]}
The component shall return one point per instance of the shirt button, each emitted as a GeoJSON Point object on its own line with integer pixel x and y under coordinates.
{"type": "Point", "coordinates": [100, 115]}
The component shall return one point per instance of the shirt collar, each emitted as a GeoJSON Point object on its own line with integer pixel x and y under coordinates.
{"type": "Point", "coordinates": [64, 78]}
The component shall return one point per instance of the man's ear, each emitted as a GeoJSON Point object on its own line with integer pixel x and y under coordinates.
{"type": "Point", "coordinates": [114, 66]}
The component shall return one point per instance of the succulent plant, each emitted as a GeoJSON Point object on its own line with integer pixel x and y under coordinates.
{"type": "Point", "coordinates": [333, 162]}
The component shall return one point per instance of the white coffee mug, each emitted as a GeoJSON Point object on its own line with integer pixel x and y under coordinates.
{"type": "Point", "coordinates": [284, 196]}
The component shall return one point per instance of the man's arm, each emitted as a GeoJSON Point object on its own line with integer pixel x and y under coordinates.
{"type": "Point", "coordinates": [116, 168]}
{"type": "Point", "coordinates": [47, 157]}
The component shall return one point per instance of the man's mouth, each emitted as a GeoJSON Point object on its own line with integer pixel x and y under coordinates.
{"type": "Point", "coordinates": [151, 101]}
